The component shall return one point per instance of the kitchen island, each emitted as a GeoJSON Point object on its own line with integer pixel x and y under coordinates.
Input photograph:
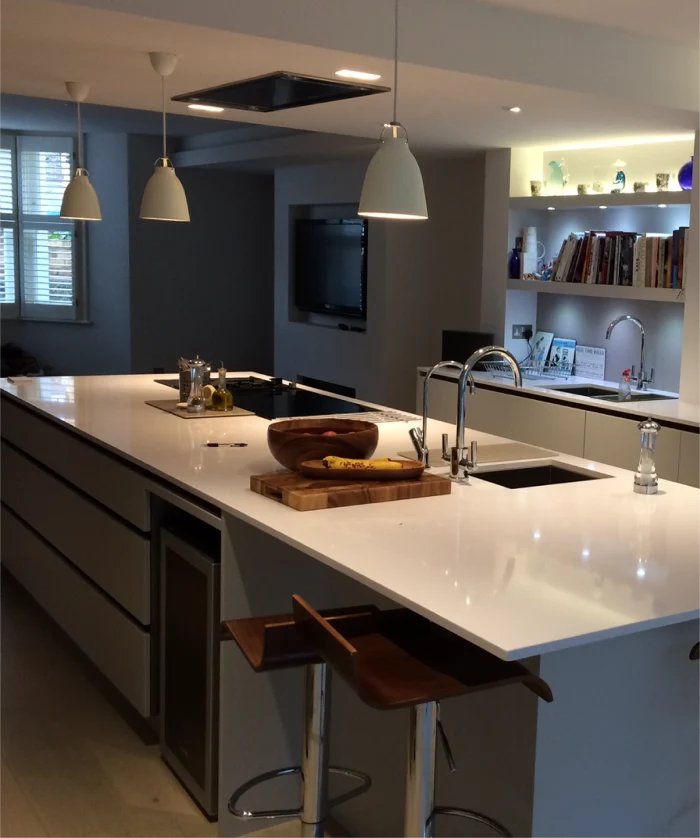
{"type": "Point", "coordinates": [591, 585]}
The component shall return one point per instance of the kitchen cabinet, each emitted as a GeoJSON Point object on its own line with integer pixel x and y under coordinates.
{"type": "Point", "coordinates": [613, 440]}
{"type": "Point", "coordinates": [554, 426]}
{"type": "Point", "coordinates": [689, 461]}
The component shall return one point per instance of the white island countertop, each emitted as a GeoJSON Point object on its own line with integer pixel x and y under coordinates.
{"type": "Point", "coordinates": [518, 572]}
{"type": "Point", "coordinates": [669, 410]}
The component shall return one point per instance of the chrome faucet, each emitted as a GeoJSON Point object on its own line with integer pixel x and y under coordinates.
{"type": "Point", "coordinates": [459, 458]}
{"type": "Point", "coordinates": [419, 437]}
{"type": "Point", "coordinates": [640, 379]}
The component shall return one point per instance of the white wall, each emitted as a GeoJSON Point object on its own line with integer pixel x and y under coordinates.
{"type": "Point", "coordinates": [423, 277]}
{"type": "Point", "coordinates": [690, 369]}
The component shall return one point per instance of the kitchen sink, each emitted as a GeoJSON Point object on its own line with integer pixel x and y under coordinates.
{"type": "Point", "coordinates": [524, 478]}
{"type": "Point", "coordinates": [635, 397]}
{"type": "Point", "coordinates": [589, 390]}
{"type": "Point", "coordinates": [607, 394]}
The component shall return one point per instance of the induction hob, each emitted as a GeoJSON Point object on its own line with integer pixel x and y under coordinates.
{"type": "Point", "coordinates": [274, 399]}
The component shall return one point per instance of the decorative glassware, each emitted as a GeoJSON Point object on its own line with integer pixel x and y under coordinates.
{"type": "Point", "coordinates": [685, 175]}
{"type": "Point", "coordinates": [196, 398]}
{"type": "Point", "coordinates": [645, 480]}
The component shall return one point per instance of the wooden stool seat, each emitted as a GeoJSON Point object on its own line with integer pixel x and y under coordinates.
{"type": "Point", "coordinates": [397, 658]}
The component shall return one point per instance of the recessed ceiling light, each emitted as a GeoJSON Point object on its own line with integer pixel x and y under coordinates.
{"type": "Point", "coordinates": [662, 206]}
{"type": "Point", "coordinates": [514, 109]}
{"type": "Point", "coordinates": [551, 209]}
{"type": "Point", "coordinates": [357, 74]}
{"type": "Point", "coordinates": [210, 108]}
{"type": "Point", "coordinates": [602, 206]}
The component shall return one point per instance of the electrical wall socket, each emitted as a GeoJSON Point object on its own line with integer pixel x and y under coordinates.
{"type": "Point", "coordinates": [518, 331]}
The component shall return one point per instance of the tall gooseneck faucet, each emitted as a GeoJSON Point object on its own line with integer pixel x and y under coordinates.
{"type": "Point", "coordinates": [640, 379]}
{"type": "Point", "coordinates": [459, 456]}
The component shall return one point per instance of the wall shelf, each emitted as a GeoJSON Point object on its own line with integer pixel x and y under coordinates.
{"type": "Point", "coordinates": [598, 199]}
{"type": "Point", "coordinates": [622, 292]}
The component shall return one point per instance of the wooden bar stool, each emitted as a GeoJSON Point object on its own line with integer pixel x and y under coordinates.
{"type": "Point", "coordinates": [272, 643]}
{"type": "Point", "coordinates": [398, 659]}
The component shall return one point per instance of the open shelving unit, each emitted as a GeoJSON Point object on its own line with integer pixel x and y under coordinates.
{"type": "Point", "coordinates": [597, 199]}
{"type": "Point", "coordinates": [620, 292]}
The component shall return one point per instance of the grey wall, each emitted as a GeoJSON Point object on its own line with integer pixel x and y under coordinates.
{"type": "Point", "coordinates": [585, 319]}
{"type": "Point", "coordinates": [102, 345]}
{"type": "Point", "coordinates": [204, 287]}
{"type": "Point", "coordinates": [423, 277]}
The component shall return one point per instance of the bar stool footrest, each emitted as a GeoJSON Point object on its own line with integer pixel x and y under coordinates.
{"type": "Point", "coordinates": [365, 781]}
{"type": "Point", "coordinates": [451, 811]}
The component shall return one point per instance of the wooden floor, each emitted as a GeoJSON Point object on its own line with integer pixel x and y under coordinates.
{"type": "Point", "coordinates": [71, 765]}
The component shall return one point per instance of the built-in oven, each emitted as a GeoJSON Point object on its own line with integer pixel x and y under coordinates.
{"type": "Point", "coordinates": [189, 660]}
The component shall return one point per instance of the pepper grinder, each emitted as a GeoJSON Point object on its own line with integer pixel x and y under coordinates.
{"type": "Point", "coordinates": [645, 480]}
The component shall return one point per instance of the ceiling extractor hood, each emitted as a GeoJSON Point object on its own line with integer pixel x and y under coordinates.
{"type": "Point", "coordinates": [279, 91]}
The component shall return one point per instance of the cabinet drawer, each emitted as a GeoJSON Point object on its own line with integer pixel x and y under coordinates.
{"type": "Point", "coordinates": [553, 426]}
{"type": "Point", "coordinates": [109, 552]}
{"type": "Point", "coordinates": [118, 487]}
{"type": "Point", "coordinates": [115, 644]}
{"type": "Point", "coordinates": [613, 440]}
{"type": "Point", "coordinates": [689, 463]}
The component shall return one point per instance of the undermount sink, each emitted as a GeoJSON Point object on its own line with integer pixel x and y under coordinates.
{"type": "Point", "coordinates": [524, 478]}
{"type": "Point", "coordinates": [607, 394]}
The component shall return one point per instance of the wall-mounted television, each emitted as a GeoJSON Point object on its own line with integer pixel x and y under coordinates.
{"type": "Point", "coordinates": [330, 271]}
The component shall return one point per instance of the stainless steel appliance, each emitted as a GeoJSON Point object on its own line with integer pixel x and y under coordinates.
{"type": "Point", "coordinates": [189, 663]}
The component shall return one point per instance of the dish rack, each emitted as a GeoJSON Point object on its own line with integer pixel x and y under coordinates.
{"type": "Point", "coordinates": [499, 369]}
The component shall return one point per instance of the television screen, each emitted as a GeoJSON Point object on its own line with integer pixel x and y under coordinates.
{"type": "Point", "coordinates": [331, 266]}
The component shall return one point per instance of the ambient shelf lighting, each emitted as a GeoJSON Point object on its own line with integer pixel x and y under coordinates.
{"type": "Point", "coordinates": [662, 206]}
{"type": "Point", "coordinates": [603, 206]}
{"type": "Point", "coordinates": [164, 197]}
{"type": "Point", "coordinates": [357, 74]}
{"type": "Point", "coordinates": [514, 109]}
{"type": "Point", "coordinates": [210, 108]}
{"type": "Point", "coordinates": [668, 138]}
{"type": "Point", "coordinates": [551, 209]}
{"type": "Point", "coordinates": [80, 201]}
{"type": "Point", "coordinates": [393, 186]}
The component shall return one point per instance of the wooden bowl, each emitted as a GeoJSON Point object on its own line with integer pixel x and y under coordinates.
{"type": "Point", "coordinates": [292, 441]}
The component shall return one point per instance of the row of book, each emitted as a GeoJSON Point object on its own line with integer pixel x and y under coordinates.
{"type": "Point", "coordinates": [617, 258]}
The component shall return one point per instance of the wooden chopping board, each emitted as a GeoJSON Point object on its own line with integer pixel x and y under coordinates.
{"type": "Point", "coordinates": [305, 494]}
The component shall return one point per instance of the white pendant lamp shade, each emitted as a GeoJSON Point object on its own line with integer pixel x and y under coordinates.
{"type": "Point", "coordinates": [393, 186]}
{"type": "Point", "coordinates": [80, 202]}
{"type": "Point", "coordinates": [164, 196]}
{"type": "Point", "coordinates": [80, 199]}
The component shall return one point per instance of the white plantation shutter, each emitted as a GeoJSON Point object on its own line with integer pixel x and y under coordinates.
{"type": "Point", "coordinates": [45, 166]}
{"type": "Point", "coordinates": [8, 228]}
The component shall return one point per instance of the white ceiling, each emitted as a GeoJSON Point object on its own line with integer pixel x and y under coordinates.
{"type": "Point", "coordinates": [463, 61]}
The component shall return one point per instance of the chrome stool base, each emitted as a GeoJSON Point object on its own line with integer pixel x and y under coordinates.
{"type": "Point", "coordinates": [420, 812]}
{"type": "Point", "coordinates": [364, 783]}
{"type": "Point", "coordinates": [314, 769]}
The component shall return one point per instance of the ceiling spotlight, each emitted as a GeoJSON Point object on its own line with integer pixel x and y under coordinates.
{"type": "Point", "coordinates": [662, 206]}
{"type": "Point", "coordinates": [514, 109]}
{"type": "Point", "coordinates": [602, 206]}
{"type": "Point", "coordinates": [210, 108]}
{"type": "Point", "coordinates": [357, 74]}
{"type": "Point", "coordinates": [551, 209]}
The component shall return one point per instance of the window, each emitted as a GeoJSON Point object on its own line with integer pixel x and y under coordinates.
{"type": "Point", "coordinates": [40, 253]}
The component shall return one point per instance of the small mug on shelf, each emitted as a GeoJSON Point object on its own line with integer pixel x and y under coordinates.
{"type": "Point", "coordinates": [662, 181]}
{"type": "Point", "coordinates": [535, 188]}
{"type": "Point", "coordinates": [598, 186]}
{"type": "Point", "coordinates": [584, 188]}
{"type": "Point", "coordinates": [640, 186]}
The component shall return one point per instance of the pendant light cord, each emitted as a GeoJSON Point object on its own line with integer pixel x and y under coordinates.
{"type": "Point", "coordinates": [80, 140]}
{"type": "Point", "coordinates": [162, 90]}
{"type": "Point", "coordinates": [396, 55]}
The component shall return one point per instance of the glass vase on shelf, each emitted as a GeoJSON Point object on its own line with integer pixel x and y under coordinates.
{"type": "Point", "coordinates": [514, 263]}
{"type": "Point", "coordinates": [685, 176]}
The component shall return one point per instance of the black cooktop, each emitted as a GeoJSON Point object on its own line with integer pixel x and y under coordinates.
{"type": "Point", "coordinates": [273, 399]}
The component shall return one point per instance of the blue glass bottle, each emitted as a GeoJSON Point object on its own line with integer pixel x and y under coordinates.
{"type": "Point", "coordinates": [685, 176]}
{"type": "Point", "coordinates": [514, 259]}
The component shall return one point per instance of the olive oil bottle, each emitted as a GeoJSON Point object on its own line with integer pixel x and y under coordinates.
{"type": "Point", "coordinates": [222, 398]}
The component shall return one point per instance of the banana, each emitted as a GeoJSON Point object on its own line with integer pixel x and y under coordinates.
{"type": "Point", "coordinates": [344, 462]}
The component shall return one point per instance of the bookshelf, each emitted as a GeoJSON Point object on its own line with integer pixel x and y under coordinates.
{"type": "Point", "coordinates": [616, 292]}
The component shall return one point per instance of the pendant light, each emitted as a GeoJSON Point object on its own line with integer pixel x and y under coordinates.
{"type": "Point", "coordinates": [393, 186]}
{"type": "Point", "coordinates": [80, 201]}
{"type": "Point", "coordinates": [164, 196]}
